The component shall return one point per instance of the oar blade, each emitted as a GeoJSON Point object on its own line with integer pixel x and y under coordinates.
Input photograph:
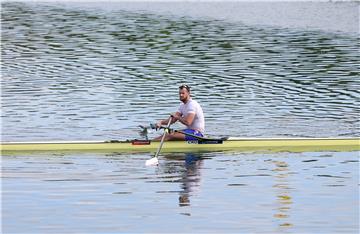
{"type": "Point", "coordinates": [152, 162]}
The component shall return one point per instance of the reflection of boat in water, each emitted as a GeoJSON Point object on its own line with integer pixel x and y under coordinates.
{"type": "Point", "coordinates": [282, 189]}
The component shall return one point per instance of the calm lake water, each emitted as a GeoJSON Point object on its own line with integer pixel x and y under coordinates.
{"type": "Point", "coordinates": [75, 71]}
{"type": "Point", "coordinates": [213, 192]}
{"type": "Point", "coordinates": [86, 74]}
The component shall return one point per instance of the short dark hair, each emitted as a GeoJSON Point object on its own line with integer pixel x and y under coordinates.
{"type": "Point", "coordinates": [184, 86]}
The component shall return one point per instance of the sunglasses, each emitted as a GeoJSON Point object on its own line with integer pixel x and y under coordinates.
{"type": "Point", "coordinates": [184, 86]}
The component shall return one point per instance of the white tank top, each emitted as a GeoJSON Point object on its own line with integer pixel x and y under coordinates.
{"type": "Point", "coordinates": [193, 107]}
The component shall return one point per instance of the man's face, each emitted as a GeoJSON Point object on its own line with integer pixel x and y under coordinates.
{"type": "Point", "coordinates": [184, 95]}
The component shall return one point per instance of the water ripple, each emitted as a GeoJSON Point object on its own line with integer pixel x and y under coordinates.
{"type": "Point", "coordinates": [87, 74]}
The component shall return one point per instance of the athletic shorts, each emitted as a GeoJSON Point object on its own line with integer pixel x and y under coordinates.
{"type": "Point", "coordinates": [192, 132]}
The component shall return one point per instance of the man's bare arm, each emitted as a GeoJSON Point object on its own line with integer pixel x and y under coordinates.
{"type": "Point", "coordinates": [174, 119]}
{"type": "Point", "coordinates": [186, 120]}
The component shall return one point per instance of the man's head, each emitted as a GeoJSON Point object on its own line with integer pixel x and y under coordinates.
{"type": "Point", "coordinates": [184, 93]}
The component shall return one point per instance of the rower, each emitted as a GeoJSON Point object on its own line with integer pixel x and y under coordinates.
{"type": "Point", "coordinates": [189, 114]}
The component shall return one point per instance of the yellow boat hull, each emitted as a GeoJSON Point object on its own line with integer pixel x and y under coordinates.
{"type": "Point", "coordinates": [233, 144]}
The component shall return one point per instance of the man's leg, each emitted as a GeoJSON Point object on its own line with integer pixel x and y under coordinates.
{"type": "Point", "coordinates": [174, 136]}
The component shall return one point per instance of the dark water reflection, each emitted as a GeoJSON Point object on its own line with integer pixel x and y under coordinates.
{"type": "Point", "coordinates": [190, 176]}
{"type": "Point", "coordinates": [93, 74]}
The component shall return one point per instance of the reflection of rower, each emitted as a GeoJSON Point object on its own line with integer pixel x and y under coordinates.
{"type": "Point", "coordinates": [190, 178]}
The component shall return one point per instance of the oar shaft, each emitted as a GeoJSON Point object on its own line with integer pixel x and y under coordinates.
{"type": "Point", "coordinates": [163, 137]}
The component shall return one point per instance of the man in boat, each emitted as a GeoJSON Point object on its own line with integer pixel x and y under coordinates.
{"type": "Point", "coordinates": [190, 114]}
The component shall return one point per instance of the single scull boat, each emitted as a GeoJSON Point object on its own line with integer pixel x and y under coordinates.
{"type": "Point", "coordinates": [232, 144]}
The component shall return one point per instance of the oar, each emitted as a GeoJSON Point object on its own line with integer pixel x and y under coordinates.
{"type": "Point", "coordinates": [155, 160]}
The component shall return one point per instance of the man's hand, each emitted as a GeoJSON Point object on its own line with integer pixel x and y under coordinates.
{"type": "Point", "coordinates": [158, 125]}
{"type": "Point", "coordinates": [175, 116]}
